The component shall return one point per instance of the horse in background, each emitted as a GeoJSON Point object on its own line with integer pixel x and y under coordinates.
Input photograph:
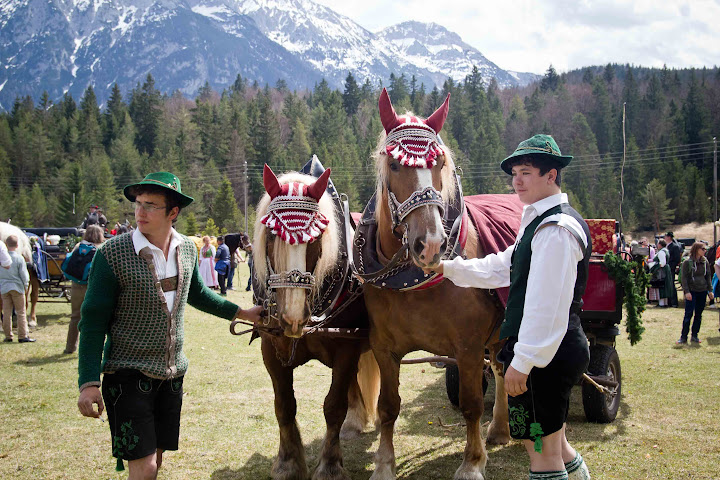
{"type": "Point", "coordinates": [24, 249]}
{"type": "Point", "coordinates": [416, 187]}
{"type": "Point", "coordinates": [292, 268]}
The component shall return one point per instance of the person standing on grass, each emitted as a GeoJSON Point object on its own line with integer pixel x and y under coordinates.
{"type": "Point", "coordinates": [676, 251]}
{"type": "Point", "coordinates": [546, 352]}
{"type": "Point", "coordinates": [94, 237]}
{"type": "Point", "coordinates": [131, 327]}
{"type": "Point", "coordinates": [14, 281]}
{"type": "Point", "coordinates": [696, 277]}
{"type": "Point", "coordinates": [222, 264]}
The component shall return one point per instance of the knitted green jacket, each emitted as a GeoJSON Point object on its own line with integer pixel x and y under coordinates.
{"type": "Point", "coordinates": [125, 310]}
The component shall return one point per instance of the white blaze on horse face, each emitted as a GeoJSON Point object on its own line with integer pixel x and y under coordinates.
{"type": "Point", "coordinates": [429, 240]}
{"type": "Point", "coordinates": [293, 306]}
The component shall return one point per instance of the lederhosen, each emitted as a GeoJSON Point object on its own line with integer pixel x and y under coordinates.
{"type": "Point", "coordinates": [547, 399]}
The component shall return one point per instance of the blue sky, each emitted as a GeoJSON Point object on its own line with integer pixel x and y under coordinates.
{"type": "Point", "coordinates": [526, 35]}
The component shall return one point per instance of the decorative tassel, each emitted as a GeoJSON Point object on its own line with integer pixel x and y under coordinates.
{"type": "Point", "coordinates": [536, 432]}
{"type": "Point", "coordinates": [119, 466]}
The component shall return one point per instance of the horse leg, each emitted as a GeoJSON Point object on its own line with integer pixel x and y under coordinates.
{"type": "Point", "coordinates": [499, 429]}
{"type": "Point", "coordinates": [344, 372]}
{"type": "Point", "coordinates": [33, 298]}
{"type": "Point", "coordinates": [290, 462]}
{"type": "Point", "coordinates": [471, 405]}
{"type": "Point", "coordinates": [389, 409]}
{"type": "Point", "coordinates": [362, 397]}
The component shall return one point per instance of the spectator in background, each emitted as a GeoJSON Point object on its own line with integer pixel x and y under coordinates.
{"type": "Point", "coordinates": [249, 259]}
{"type": "Point", "coordinates": [13, 284]}
{"type": "Point", "coordinates": [206, 262]}
{"type": "Point", "coordinates": [234, 259]}
{"type": "Point", "coordinates": [676, 250]}
{"type": "Point", "coordinates": [661, 280]}
{"type": "Point", "coordinates": [696, 277]}
{"type": "Point", "coordinates": [716, 279]}
{"type": "Point", "coordinates": [222, 264]}
{"type": "Point", "coordinates": [93, 236]}
{"type": "Point", "coordinates": [644, 243]}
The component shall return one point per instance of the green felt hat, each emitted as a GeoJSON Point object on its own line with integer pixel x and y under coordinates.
{"type": "Point", "coordinates": [161, 179]}
{"type": "Point", "coordinates": [539, 144]}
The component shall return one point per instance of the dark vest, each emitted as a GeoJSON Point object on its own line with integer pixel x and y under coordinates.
{"type": "Point", "coordinates": [520, 269]}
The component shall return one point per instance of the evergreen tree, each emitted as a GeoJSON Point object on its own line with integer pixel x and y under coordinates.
{"type": "Point", "coordinates": [89, 135]}
{"type": "Point", "coordinates": [210, 228]}
{"type": "Point", "coordinates": [609, 73]}
{"type": "Point", "coordinates": [191, 227]}
{"type": "Point", "coordinates": [21, 216]}
{"type": "Point", "coordinates": [550, 81]}
{"type": "Point", "coordinates": [39, 208]}
{"type": "Point", "coordinates": [225, 208]}
{"type": "Point", "coordinates": [145, 112]}
{"type": "Point", "coordinates": [399, 92]}
{"type": "Point", "coordinates": [72, 202]}
{"type": "Point", "coordinates": [351, 95]}
{"type": "Point", "coordinates": [657, 206]}
{"type": "Point", "coordinates": [114, 116]}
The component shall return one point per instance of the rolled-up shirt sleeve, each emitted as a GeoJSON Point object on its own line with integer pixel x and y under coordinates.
{"type": "Point", "coordinates": [550, 289]}
{"type": "Point", "coordinates": [492, 271]}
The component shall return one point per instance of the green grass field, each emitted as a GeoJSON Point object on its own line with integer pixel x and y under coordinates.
{"type": "Point", "coordinates": [667, 428]}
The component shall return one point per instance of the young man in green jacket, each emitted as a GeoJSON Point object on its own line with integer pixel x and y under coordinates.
{"type": "Point", "coordinates": [131, 326]}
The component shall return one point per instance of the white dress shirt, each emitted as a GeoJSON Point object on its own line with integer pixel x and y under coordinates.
{"type": "Point", "coordinates": [163, 268]}
{"type": "Point", "coordinates": [550, 284]}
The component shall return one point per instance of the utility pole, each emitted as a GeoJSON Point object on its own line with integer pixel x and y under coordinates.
{"type": "Point", "coordinates": [246, 193]}
{"type": "Point", "coordinates": [715, 212]}
{"type": "Point", "coordinates": [622, 170]}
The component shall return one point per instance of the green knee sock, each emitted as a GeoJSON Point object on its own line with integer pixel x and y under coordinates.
{"type": "Point", "coordinates": [559, 475]}
{"type": "Point", "coordinates": [576, 468]}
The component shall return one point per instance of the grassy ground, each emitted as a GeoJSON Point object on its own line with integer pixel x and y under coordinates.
{"type": "Point", "coordinates": [667, 428]}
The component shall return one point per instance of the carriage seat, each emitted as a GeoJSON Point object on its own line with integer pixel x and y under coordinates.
{"type": "Point", "coordinates": [62, 231]}
{"type": "Point", "coordinates": [603, 234]}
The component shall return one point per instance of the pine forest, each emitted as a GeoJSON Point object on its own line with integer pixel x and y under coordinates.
{"type": "Point", "coordinates": [57, 158]}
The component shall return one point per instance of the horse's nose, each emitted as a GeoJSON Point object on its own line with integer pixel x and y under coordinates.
{"type": "Point", "coordinates": [419, 247]}
{"type": "Point", "coordinates": [428, 249]}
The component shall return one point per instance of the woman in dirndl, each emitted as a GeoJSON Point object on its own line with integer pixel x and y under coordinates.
{"type": "Point", "coordinates": [206, 261]}
{"type": "Point", "coordinates": [661, 281]}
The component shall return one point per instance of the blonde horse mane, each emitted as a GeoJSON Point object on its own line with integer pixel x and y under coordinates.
{"type": "Point", "coordinates": [330, 239]}
{"type": "Point", "coordinates": [382, 173]}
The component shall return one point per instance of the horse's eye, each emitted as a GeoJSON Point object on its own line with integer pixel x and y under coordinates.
{"type": "Point", "coordinates": [394, 166]}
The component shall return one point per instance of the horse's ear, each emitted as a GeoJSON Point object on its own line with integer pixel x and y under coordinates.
{"type": "Point", "coordinates": [388, 117]}
{"type": "Point", "coordinates": [272, 185]}
{"type": "Point", "coordinates": [437, 119]}
{"type": "Point", "coordinates": [317, 189]}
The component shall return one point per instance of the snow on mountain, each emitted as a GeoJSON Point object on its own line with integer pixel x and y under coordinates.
{"type": "Point", "coordinates": [65, 45]}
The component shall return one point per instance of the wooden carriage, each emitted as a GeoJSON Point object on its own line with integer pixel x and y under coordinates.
{"type": "Point", "coordinates": [48, 258]}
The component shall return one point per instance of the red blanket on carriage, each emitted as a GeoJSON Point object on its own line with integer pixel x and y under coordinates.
{"type": "Point", "coordinates": [497, 221]}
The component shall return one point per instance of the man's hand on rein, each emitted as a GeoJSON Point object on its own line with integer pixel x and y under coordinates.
{"type": "Point", "coordinates": [252, 314]}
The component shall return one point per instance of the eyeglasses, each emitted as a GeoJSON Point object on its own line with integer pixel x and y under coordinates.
{"type": "Point", "coordinates": [148, 207]}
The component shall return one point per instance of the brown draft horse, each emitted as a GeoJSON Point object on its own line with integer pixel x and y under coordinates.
{"type": "Point", "coordinates": [444, 319]}
{"type": "Point", "coordinates": [352, 400]}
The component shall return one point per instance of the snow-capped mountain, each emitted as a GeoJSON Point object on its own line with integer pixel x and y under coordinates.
{"type": "Point", "coordinates": [65, 45]}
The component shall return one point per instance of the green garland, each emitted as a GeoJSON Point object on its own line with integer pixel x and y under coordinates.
{"type": "Point", "coordinates": [632, 278]}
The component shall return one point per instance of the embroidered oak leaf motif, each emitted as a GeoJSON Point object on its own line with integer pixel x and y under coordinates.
{"type": "Point", "coordinates": [518, 420]}
{"type": "Point", "coordinates": [536, 433]}
{"type": "Point", "coordinates": [126, 441]}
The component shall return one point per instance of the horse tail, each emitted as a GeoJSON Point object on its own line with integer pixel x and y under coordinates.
{"type": "Point", "coordinates": [362, 397]}
{"type": "Point", "coordinates": [369, 381]}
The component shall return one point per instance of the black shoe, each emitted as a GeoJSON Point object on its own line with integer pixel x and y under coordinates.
{"type": "Point", "coordinates": [247, 289]}
{"type": "Point", "coordinates": [26, 340]}
{"type": "Point", "coordinates": [8, 340]}
{"type": "Point", "coordinates": [695, 339]}
{"type": "Point", "coordinates": [682, 341]}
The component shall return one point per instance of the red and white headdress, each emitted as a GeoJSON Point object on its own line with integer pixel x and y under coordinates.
{"type": "Point", "coordinates": [293, 214]}
{"type": "Point", "coordinates": [411, 140]}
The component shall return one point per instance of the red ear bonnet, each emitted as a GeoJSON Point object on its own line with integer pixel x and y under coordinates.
{"type": "Point", "coordinates": [272, 185]}
{"type": "Point", "coordinates": [437, 119]}
{"type": "Point", "coordinates": [388, 117]}
{"type": "Point", "coordinates": [317, 189]}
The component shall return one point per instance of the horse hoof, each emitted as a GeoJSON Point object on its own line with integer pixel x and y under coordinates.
{"type": "Point", "coordinates": [468, 471]}
{"type": "Point", "coordinates": [331, 472]}
{"type": "Point", "coordinates": [289, 470]}
{"type": "Point", "coordinates": [383, 473]}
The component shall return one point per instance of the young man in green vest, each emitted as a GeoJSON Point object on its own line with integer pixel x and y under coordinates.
{"type": "Point", "coordinates": [131, 326]}
{"type": "Point", "coordinates": [546, 351]}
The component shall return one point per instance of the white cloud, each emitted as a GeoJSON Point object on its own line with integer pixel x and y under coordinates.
{"type": "Point", "coordinates": [527, 35]}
